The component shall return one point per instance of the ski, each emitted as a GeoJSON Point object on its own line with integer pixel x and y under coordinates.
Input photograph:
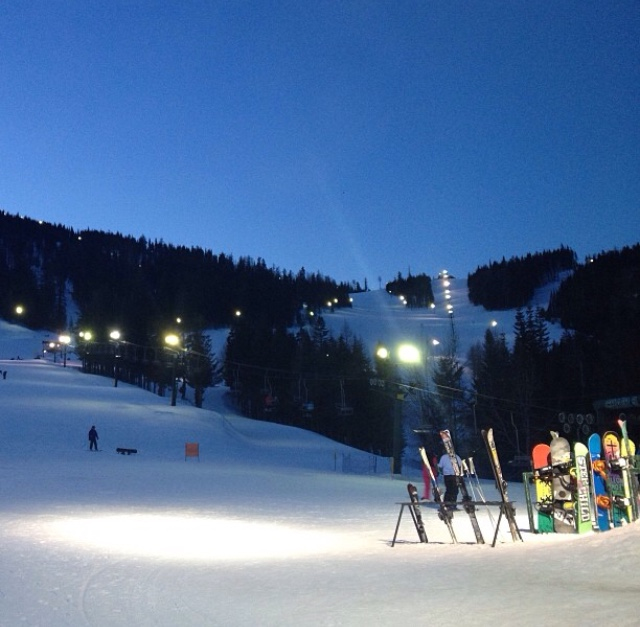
{"type": "Point", "coordinates": [416, 514]}
{"type": "Point", "coordinates": [467, 502]}
{"type": "Point", "coordinates": [443, 513]}
{"type": "Point", "coordinates": [507, 507]}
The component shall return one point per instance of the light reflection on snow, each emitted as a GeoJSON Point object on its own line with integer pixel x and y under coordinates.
{"type": "Point", "coordinates": [175, 536]}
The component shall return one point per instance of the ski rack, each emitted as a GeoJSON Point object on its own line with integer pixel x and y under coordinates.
{"type": "Point", "coordinates": [432, 505]}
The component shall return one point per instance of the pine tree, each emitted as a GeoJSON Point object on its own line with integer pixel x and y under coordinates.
{"type": "Point", "coordinates": [201, 368]}
{"type": "Point", "coordinates": [530, 350]}
{"type": "Point", "coordinates": [450, 409]}
{"type": "Point", "coordinates": [492, 366]}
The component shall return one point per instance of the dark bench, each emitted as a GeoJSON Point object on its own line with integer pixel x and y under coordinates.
{"type": "Point", "coordinates": [126, 451]}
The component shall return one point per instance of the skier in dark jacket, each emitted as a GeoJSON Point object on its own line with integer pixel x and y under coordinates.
{"type": "Point", "coordinates": [93, 439]}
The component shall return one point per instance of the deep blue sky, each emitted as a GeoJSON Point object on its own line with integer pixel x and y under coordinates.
{"type": "Point", "coordinates": [360, 139]}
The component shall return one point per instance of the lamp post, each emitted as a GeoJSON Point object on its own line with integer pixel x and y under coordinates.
{"type": "Point", "coordinates": [85, 336]}
{"type": "Point", "coordinates": [404, 354]}
{"type": "Point", "coordinates": [173, 341]}
{"type": "Point", "coordinates": [65, 341]}
{"type": "Point", "coordinates": [51, 347]}
{"type": "Point", "coordinates": [115, 337]}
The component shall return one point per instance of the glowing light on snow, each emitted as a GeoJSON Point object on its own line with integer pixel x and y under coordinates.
{"type": "Point", "coordinates": [175, 536]}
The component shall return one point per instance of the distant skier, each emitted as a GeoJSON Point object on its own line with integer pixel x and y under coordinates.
{"type": "Point", "coordinates": [93, 439]}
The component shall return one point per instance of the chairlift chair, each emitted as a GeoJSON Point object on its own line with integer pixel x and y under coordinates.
{"type": "Point", "coordinates": [270, 399]}
{"type": "Point", "coordinates": [306, 405]}
{"type": "Point", "coordinates": [342, 407]}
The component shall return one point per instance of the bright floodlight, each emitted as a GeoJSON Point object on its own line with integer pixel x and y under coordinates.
{"type": "Point", "coordinates": [172, 339]}
{"type": "Point", "coordinates": [19, 310]}
{"type": "Point", "coordinates": [114, 335]}
{"type": "Point", "coordinates": [64, 339]}
{"type": "Point", "coordinates": [408, 354]}
{"type": "Point", "coordinates": [382, 352]}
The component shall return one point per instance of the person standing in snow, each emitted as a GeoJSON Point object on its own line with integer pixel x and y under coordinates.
{"type": "Point", "coordinates": [450, 480]}
{"type": "Point", "coordinates": [93, 439]}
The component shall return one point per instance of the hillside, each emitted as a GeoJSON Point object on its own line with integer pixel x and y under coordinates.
{"type": "Point", "coordinates": [263, 529]}
{"type": "Point", "coordinates": [377, 317]}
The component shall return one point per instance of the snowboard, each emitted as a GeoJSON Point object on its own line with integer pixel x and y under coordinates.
{"type": "Point", "coordinates": [627, 452]}
{"type": "Point", "coordinates": [443, 513]}
{"type": "Point", "coordinates": [416, 514]}
{"type": "Point", "coordinates": [467, 502]}
{"type": "Point", "coordinates": [599, 485]}
{"type": "Point", "coordinates": [583, 506]}
{"type": "Point", "coordinates": [507, 507]}
{"type": "Point", "coordinates": [633, 470]}
{"type": "Point", "coordinates": [563, 506]}
{"type": "Point", "coordinates": [542, 482]}
{"type": "Point", "coordinates": [620, 501]}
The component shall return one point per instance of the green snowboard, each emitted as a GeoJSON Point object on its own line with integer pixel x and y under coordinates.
{"type": "Point", "coordinates": [583, 505]}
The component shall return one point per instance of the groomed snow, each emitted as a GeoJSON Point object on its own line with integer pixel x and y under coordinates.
{"type": "Point", "coordinates": [262, 530]}
{"type": "Point", "coordinates": [265, 529]}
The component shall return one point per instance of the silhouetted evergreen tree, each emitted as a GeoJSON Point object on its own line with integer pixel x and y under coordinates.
{"type": "Point", "coordinates": [416, 290]}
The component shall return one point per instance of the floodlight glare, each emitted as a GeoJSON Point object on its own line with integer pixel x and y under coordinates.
{"type": "Point", "coordinates": [408, 354]}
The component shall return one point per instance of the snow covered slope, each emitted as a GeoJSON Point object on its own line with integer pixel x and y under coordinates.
{"type": "Point", "coordinates": [262, 530]}
{"type": "Point", "coordinates": [377, 317]}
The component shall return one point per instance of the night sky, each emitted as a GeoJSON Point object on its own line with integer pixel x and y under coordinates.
{"type": "Point", "coordinates": [358, 139]}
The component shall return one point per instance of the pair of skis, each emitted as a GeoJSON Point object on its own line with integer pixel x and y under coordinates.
{"type": "Point", "coordinates": [467, 502]}
{"type": "Point", "coordinates": [507, 509]}
{"type": "Point", "coordinates": [445, 514]}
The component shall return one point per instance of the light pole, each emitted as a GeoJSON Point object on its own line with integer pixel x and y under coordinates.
{"type": "Point", "coordinates": [85, 336]}
{"type": "Point", "coordinates": [115, 337]}
{"type": "Point", "coordinates": [404, 354]}
{"type": "Point", "coordinates": [64, 340]}
{"type": "Point", "coordinates": [48, 345]}
{"type": "Point", "coordinates": [173, 341]}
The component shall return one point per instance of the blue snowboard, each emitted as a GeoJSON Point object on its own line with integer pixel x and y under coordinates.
{"type": "Point", "coordinates": [599, 484]}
